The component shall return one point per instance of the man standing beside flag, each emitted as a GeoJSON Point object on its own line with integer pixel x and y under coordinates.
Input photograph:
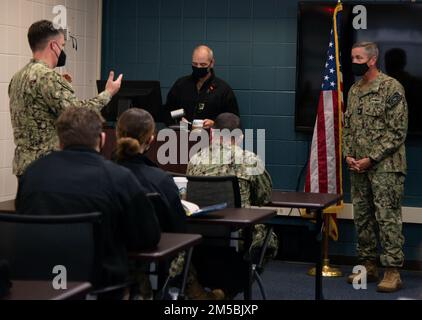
{"type": "Point", "coordinates": [375, 128]}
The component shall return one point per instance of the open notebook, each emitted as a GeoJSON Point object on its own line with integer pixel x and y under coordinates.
{"type": "Point", "coordinates": [193, 210]}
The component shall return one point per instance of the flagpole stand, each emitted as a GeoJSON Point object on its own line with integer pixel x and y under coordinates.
{"type": "Point", "coordinates": [327, 270]}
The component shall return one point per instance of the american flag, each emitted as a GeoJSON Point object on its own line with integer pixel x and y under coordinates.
{"type": "Point", "coordinates": [324, 173]}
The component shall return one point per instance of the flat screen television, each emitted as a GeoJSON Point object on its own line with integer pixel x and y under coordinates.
{"type": "Point", "coordinates": [134, 94]}
{"type": "Point", "coordinates": [395, 27]}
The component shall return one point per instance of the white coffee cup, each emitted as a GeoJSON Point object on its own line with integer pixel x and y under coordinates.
{"type": "Point", "coordinates": [197, 124]}
{"type": "Point", "coordinates": [177, 114]}
{"type": "Point", "coordinates": [182, 185]}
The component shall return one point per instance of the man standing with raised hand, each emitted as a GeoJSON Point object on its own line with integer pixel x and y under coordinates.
{"type": "Point", "coordinates": [38, 95]}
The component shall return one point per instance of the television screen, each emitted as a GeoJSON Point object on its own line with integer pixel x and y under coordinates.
{"type": "Point", "coordinates": [395, 27]}
{"type": "Point", "coordinates": [134, 94]}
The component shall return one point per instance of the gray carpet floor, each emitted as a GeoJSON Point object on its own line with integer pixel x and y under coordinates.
{"type": "Point", "coordinates": [289, 281]}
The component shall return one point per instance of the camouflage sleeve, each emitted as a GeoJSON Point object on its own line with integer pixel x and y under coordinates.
{"type": "Point", "coordinates": [189, 169]}
{"type": "Point", "coordinates": [396, 123]}
{"type": "Point", "coordinates": [261, 188]}
{"type": "Point", "coordinates": [58, 94]}
{"type": "Point", "coordinates": [194, 167]}
{"type": "Point", "coordinates": [347, 140]}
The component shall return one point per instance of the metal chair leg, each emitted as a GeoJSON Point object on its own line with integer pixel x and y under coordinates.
{"type": "Point", "coordinates": [185, 274]}
{"type": "Point", "coordinates": [264, 247]}
{"type": "Point", "coordinates": [164, 289]}
{"type": "Point", "coordinates": [260, 284]}
{"type": "Point", "coordinates": [260, 265]}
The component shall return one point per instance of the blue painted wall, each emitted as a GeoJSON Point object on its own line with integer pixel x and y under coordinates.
{"type": "Point", "coordinates": [254, 42]}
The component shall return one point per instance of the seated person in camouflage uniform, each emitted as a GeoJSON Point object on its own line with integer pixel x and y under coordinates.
{"type": "Point", "coordinates": [135, 133]}
{"type": "Point", "coordinates": [225, 157]}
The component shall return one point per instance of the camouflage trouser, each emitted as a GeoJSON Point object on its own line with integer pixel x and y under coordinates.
{"type": "Point", "coordinates": [177, 264]}
{"type": "Point", "coordinates": [176, 268]}
{"type": "Point", "coordinates": [376, 201]}
{"type": "Point", "coordinates": [139, 274]}
{"type": "Point", "coordinates": [258, 237]}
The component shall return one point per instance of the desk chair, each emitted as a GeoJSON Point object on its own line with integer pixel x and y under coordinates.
{"type": "Point", "coordinates": [209, 190]}
{"type": "Point", "coordinates": [34, 245]}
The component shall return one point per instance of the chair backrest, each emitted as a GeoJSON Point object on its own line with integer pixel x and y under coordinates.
{"type": "Point", "coordinates": [34, 245]}
{"type": "Point", "coordinates": [209, 190]}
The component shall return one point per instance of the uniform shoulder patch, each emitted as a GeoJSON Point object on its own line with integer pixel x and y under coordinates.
{"type": "Point", "coordinates": [395, 99]}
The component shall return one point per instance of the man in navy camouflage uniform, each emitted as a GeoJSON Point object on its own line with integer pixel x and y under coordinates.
{"type": "Point", "coordinates": [375, 128]}
{"type": "Point", "coordinates": [38, 95]}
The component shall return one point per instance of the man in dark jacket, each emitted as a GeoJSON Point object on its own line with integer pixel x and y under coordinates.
{"type": "Point", "coordinates": [202, 95]}
{"type": "Point", "coordinates": [79, 180]}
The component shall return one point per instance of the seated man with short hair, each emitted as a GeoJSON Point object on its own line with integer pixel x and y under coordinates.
{"type": "Point", "coordinates": [225, 157]}
{"type": "Point", "coordinates": [79, 180]}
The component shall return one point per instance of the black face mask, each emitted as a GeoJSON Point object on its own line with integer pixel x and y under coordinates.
{"type": "Point", "coordinates": [61, 59]}
{"type": "Point", "coordinates": [359, 69]}
{"type": "Point", "coordinates": [199, 73]}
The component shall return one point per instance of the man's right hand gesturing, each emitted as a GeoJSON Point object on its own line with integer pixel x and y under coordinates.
{"type": "Point", "coordinates": [113, 86]}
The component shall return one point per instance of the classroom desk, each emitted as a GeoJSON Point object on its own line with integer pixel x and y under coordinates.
{"type": "Point", "coordinates": [311, 201]}
{"type": "Point", "coordinates": [239, 218]}
{"type": "Point", "coordinates": [169, 246]}
{"type": "Point", "coordinates": [7, 206]}
{"type": "Point", "coordinates": [43, 290]}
